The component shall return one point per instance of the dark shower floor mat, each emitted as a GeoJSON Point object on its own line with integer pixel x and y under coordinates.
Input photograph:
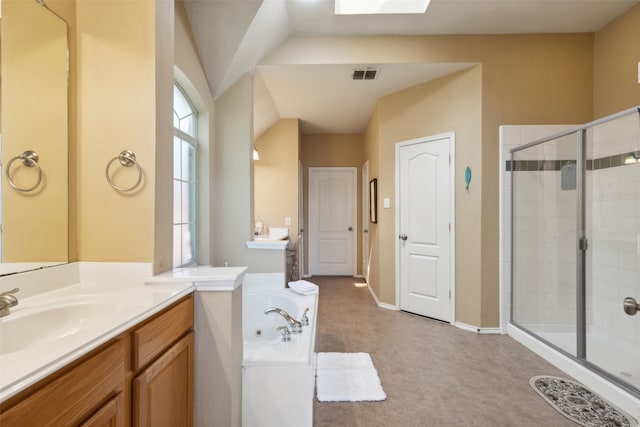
{"type": "Point", "coordinates": [579, 404]}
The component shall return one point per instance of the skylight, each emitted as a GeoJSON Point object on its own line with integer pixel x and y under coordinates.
{"type": "Point", "coordinates": [367, 7]}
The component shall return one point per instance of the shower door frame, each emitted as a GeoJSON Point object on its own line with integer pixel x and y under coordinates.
{"type": "Point", "coordinates": [582, 245]}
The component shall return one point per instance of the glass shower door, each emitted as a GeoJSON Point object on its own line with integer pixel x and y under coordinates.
{"type": "Point", "coordinates": [612, 226]}
{"type": "Point", "coordinates": [544, 240]}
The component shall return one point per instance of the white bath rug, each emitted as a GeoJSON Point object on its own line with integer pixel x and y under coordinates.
{"type": "Point", "coordinates": [347, 377]}
{"type": "Point", "coordinates": [578, 403]}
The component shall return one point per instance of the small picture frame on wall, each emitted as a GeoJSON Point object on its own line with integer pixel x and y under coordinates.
{"type": "Point", "coordinates": [373, 201]}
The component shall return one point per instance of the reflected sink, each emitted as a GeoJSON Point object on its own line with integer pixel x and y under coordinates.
{"type": "Point", "coordinates": [31, 326]}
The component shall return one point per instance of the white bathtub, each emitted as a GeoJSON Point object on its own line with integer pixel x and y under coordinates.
{"type": "Point", "coordinates": [278, 377]}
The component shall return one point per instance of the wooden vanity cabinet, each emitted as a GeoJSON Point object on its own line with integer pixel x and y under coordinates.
{"type": "Point", "coordinates": [163, 360]}
{"type": "Point", "coordinates": [143, 377]}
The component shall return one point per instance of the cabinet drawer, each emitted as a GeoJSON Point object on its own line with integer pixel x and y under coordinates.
{"type": "Point", "coordinates": [73, 396]}
{"type": "Point", "coordinates": [161, 332]}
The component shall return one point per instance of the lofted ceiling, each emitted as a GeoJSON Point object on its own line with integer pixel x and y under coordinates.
{"type": "Point", "coordinates": [233, 36]}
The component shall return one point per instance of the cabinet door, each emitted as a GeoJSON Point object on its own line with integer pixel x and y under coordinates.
{"type": "Point", "coordinates": [110, 415]}
{"type": "Point", "coordinates": [163, 393]}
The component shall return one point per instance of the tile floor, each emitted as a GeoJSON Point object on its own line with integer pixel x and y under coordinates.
{"type": "Point", "coordinates": [434, 374]}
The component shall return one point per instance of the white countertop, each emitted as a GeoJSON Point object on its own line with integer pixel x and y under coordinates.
{"type": "Point", "coordinates": [106, 302]}
{"type": "Point", "coordinates": [278, 244]}
{"type": "Point", "coordinates": [130, 305]}
{"type": "Point", "coordinates": [204, 278]}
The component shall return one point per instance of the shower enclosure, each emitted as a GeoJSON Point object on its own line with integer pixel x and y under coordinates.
{"type": "Point", "coordinates": [575, 244]}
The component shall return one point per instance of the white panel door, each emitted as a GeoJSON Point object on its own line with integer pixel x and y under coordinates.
{"type": "Point", "coordinates": [332, 221]}
{"type": "Point", "coordinates": [424, 231]}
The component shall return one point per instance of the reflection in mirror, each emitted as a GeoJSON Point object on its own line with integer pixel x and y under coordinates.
{"type": "Point", "coordinates": [34, 117]}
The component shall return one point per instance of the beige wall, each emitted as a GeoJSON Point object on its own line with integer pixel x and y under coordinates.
{"type": "Point", "coordinates": [452, 103]}
{"type": "Point", "coordinates": [218, 381]}
{"type": "Point", "coordinates": [116, 72]}
{"type": "Point", "coordinates": [276, 176]}
{"type": "Point", "coordinates": [233, 175]}
{"type": "Point", "coordinates": [34, 97]}
{"type": "Point", "coordinates": [526, 79]}
{"type": "Point", "coordinates": [334, 150]}
{"type": "Point", "coordinates": [164, 78]}
{"type": "Point", "coordinates": [616, 57]}
{"type": "Point", "coordinates": [371, 154]}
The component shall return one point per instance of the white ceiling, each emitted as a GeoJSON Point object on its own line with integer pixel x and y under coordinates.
{"type": "Point", "coordinates": [232, 37]}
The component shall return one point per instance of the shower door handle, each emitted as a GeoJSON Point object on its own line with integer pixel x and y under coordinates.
{"type": "Point", "coordinates": [630, 306]}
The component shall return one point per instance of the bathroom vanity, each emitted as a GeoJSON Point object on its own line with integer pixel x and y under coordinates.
{"type": "Point", "coordinates": [109, 344]}
{"type": "Point", "coordinates": [144, 374]}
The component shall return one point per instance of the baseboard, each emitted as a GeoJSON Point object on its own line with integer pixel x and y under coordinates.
{"type": "Point", "coordinates": [381, 304]}
{"type": "Point", "coordinates": [359, 276]}
{"type": "Point", "coordinates": [490, 331]}
{"type": "Point", "coordinates": [471, 328]}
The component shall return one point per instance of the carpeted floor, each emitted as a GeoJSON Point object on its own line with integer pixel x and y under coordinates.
{"type": "Point", "coordinates": [433, 374]}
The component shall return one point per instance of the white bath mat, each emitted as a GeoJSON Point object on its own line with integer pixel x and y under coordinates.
{"type": "Point", "coordinates": [347, 377]}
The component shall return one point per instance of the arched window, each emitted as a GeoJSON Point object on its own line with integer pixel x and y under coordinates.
{"type": "Point", "coordinates": [184, 179]}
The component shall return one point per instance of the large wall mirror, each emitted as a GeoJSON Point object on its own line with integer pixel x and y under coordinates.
{"type": "Point", "coordinates": [34, 119]}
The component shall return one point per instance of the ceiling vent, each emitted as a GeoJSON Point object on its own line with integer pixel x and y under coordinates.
{"type": "Point", "coordinates": [365, 74]}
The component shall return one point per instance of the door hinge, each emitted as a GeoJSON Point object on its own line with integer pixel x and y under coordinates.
{"type": "Point", "coordinates": [449, 293]}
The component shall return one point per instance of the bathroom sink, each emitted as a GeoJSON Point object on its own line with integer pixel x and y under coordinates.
{"type": "Point", "coordinates": [34, 325]}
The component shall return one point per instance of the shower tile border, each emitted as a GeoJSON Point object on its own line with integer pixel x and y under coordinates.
{"type": "Point", "coordinates": [607, 162]}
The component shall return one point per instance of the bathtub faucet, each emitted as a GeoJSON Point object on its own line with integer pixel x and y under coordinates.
{"type": "Point", "coordinates": [296, 326]}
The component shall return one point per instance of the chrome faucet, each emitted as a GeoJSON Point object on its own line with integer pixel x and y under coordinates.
{"type": "Point", "coordinates": [286, 334]}
{"type": "Point", "coordinates": [305, 319]}
{"type": "Point", "coordinates": [296, 326]}
{"type": "Point", "coordinates": [7, 301]}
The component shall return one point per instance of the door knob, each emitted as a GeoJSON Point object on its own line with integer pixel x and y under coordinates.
{"type": "Point", "coordinates": [350, 228]}
{"type": "Point", "coordinates": [402, 237]}
{"type": "Point", "coordinates": [630, 306]}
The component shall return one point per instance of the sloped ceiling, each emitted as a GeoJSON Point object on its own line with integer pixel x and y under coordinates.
{"type": "Point", "coordinates": [232, 37]}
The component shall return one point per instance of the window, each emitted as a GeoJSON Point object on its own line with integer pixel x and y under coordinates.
{"type": "Point", "coordinates": [184, 179]}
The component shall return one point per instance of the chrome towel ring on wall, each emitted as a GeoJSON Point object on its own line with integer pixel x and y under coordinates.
{"type": "Point", "coordinates": [126, 158]}
{"type": "Point", "coordinates": [29, 159]}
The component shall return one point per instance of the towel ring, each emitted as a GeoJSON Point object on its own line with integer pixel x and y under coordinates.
{"type": "Point", "coordinates": [126, 158]}
{"type": "Point", "coordinates": [29, 159]}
